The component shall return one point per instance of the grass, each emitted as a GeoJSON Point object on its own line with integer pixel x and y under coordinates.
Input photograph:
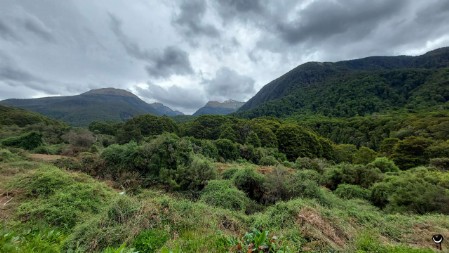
{"type": "Point", "coordinates": [55, 210]}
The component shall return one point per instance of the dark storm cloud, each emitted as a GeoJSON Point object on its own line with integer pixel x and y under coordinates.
{"type": "Point", "coordinates": [323, 19]}
{"type": "Point", "coordinates": [175, 96]}
{"type": "Point", "coordinates": [228, 84]}
{"type": "Point", "coordinates": [190, 19]}
{"type": "Point", "coordinates": [172, 61]}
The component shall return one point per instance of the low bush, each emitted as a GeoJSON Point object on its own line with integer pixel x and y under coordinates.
{"type": "Point", "coordinates": [440, 163]}
{"type": "Point", "coordinates": [268, 161]}
{"type": "Point", "coordinates": [221, 193]}
{"type": "Point", "coordinates": [384, 164]}
{"type": "Point", "coordinates": [305, 163]}
{"type": "Point", "coordinates": [364, 176]}
{"type": "Point", "coordinates": [8, 156]}
{"type": "Point", "coordinates": [349, 191]}
{"type": "Point", "coordinates": [229, 173]}
{"type": "Point", "coordinates": [250, 182]}
{"type": "Point", "coordinates": [28, 141]}
{"type": "Point", "coordinates": [417, 191]}
{"type": "Point", "coordinates": [192, 177]}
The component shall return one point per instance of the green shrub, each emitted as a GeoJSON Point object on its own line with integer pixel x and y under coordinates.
{"type": "Point", "coordinates": [440, 163]}
{"type": "Point", "coordinates": [305, 163]}
{"type": "Point", "coordinates": [193, 177]}
{"type": "Point", "coordinates": [227, 149]}
{"type": "Point", "coordinates": [344, 152]}
{"type": "Point", "coordinates": [253, 139]}
{"type": "Point", "coordinates": [410, 152]}
{"type": "Point", "coordinates": [364, 176]}
{"type": "Point", "coordinates": [384, 165]}
{"type": "Point", "coordinates": [349, 191]}
{"type": "Point", "coordinates": [68, 163]}
{"type": "Point", "coordinates": [229, 173]}
{"type": "Point", "coordinates": [28, 141]}
{"type": "Point", "coordinates": [250, 182]}
{"type": "Point", "coordinates": [150, 241]}
{"type": "Point", "coordinates": [364, 155]}
{"type": "Point", "coordinates": [222, 193]}
{"type": "Point", "coordinates": [249, 153]}
{"type": "Point", "coordinates": [418, 191]}
{"type": "Point", "coordinates": [268, 161]}
{"type": "Point", "coordinates": [7, 156]}
{"type": "Point", "coordinates": [295, 141]}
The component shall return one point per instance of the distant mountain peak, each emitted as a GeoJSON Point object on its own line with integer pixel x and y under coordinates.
{"type": "Point", "coordinates": [110, 91]}
{"type": "Point", "coordinates": [220, 108]}
{"type": "Point", "coordinates": [230, 103]}
{"type": "Point", "coordinates": [107, 104]}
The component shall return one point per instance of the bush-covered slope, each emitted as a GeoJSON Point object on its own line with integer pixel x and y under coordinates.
{"type": "Point", "coordinates": [356, 87]}
{"type": "Point", "coordinates": [14, 116]}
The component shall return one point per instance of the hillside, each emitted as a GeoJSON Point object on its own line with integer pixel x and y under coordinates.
{"type": "Point", "coordinates": [219, 108]}
{"type": "Point", "coordinates": [106, 104]}
{"type": "Point", "coordinates": [356, 87]}
{"type": "Point", "coordinates": [20, 117]}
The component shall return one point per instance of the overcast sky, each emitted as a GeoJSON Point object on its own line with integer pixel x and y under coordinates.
{"type": "Point", "coordinates": [184, 53]}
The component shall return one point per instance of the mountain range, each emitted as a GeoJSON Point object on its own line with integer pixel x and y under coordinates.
{"type": "Point", "coordinates": [107, 104]}
{"type": "Point", "coordinates": [338, 89]}
{"type": "Point", "coordinates": [355, 87]}
{"type": "Point", "coordinates": [217, 108]}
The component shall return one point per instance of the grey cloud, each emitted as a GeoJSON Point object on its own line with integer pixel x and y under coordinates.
{"type": "Point", "coordinates": [240, 9]}
{"type": "Point", "coordinates": [185, 99]}
{"type": "Point", "coordinates": [190, 19]}
{"type": "Point", "coordinates": [37, 27]}
{"type": "Point", "coordinates": [172, 61]}
{"type": "Point", "coordinates": [13, 75]}
{"type": "Point", "coordinates": [323, 19]}
{"type": "Point", "coordinates": [7, 33]}
{"type": "Point", "coordinates": [228, 84]}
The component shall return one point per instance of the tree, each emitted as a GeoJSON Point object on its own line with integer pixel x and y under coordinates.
{"type": "Point", "coordinates": [364, 156]}
{"type": "Point", "coordinates": [228, 133]}
{"type": "Point", "coordinates": [253, 139]}
{"type": "Point", "coordinates": [227, 149]}
{"type": "Point", "coordinates": [294, 141]}
{"type": "Point", "coordinates": [410, 152]}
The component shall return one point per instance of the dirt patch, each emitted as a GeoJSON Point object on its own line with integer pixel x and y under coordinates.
{"type": "Point", "coordinates": [45, 158]}
{"type": "Point", "coordinates": [319, 230]}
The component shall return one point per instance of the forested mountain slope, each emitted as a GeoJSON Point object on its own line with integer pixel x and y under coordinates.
{"type": "Point", "coordinates": [356, 87]}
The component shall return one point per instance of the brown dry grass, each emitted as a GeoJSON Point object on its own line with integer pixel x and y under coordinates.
{"type": "Point", "coordinates": [322, 231]}
{"type": "Point", "coordinates": [45, 158]}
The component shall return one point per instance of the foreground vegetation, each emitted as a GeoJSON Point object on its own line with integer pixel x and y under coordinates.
{"type": "Point", "coordinates": [221, 184]}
